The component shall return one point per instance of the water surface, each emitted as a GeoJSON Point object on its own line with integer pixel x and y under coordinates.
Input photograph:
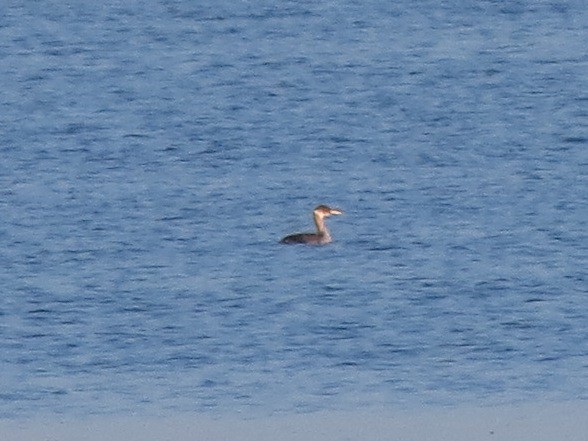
{"type": "Point", "coordinates": [154, 153]}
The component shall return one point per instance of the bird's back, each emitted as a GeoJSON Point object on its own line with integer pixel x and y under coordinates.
{"type": "Point", "coordinates": [310, 238]}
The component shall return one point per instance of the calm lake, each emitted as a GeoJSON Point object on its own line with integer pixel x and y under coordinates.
{"type": "Point", "coordinates": [154, 153]}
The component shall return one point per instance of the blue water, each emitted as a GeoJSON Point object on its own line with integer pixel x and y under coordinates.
{"type": "Point", "coordinates": [154, 152]}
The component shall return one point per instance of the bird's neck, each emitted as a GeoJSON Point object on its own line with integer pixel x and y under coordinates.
{"type": "Point", "coordinates": [321, 227]}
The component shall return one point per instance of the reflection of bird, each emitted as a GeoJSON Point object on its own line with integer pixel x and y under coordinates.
{"type": "Point", "coordinates": [322, 236]}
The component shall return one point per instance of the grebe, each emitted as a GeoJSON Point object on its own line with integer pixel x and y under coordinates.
{"type": "Point", "coordinates": [322, 236]}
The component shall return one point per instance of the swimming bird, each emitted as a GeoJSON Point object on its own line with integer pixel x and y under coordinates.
{"type": "Point", "coordinates": [322, 236]}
